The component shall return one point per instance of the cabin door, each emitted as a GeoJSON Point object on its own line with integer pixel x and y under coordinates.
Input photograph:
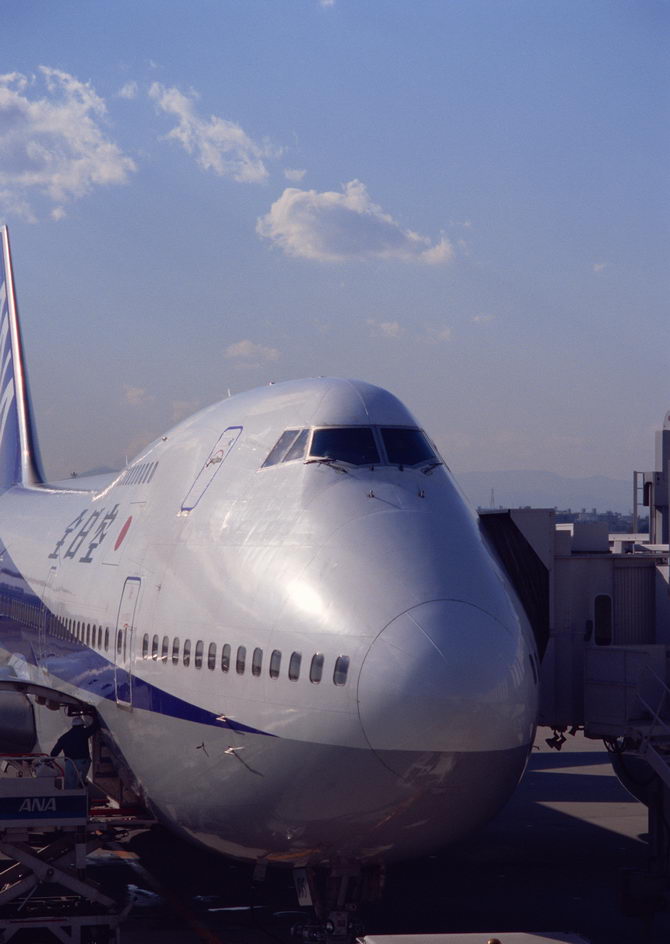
{"type": "Point", "coordinates": [123, 642]}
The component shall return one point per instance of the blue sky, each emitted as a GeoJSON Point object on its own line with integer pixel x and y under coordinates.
{"type": "Point", "coordinates": [465, 202]}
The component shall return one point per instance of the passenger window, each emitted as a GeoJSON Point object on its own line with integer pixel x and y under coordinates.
{"type": "Point", "coordinates": [165, 647]}
{"type": "Point", "coordinates": [106, 638]}
{"type": "Point", "coordinates": [341, 670]}
{"type": "Point", "coordinates": [211, 656]}
{"type": "Point", "coordinates": [154, 647]}
{"type": "Point", "coordinates": [88, 634]}
{"type": "Point", "coordinates": [257, 662]}
{"type": "Point", "coordinates": [186, 658]}
{"type": "Point", "coordinates": [99, 637]}
{"type": "Point", "coordinates": [225, 658]}
{"type": "Point", "coordinates": [145, 646]}
{"type": "Point", "coordinates": [275, 663]}
{"type": "Point", "coordinates": [241, 660]}
{"type": "Point", "coordinates": [175, 650]}
{"type": "Point", "coordinates": [297, 450]}
{"type": "Point", "coordinates": [280, 447]}
{"type": "Point", "coordinates": [294, 666]}
{"type": "Point", "coordinates": [119, 640]}
{"type": "Point", "coordinates": [316, 668]}
{"type": "Point", "coordinates": [407, 446]}
{"type": "Point", "coordinates": [353, 444]}
{"type": "Point", "coordinates": [199, 650]}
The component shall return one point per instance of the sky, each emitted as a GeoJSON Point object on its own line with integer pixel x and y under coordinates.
{"type": "Point", "coordinates": [464, 202]}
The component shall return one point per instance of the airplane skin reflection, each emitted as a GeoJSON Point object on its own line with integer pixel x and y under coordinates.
{"type": "Point", "coordinates": [285, 615]}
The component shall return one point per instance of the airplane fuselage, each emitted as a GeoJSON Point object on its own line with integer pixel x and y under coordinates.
{"type": "Point", "coordinates": [301, 658]}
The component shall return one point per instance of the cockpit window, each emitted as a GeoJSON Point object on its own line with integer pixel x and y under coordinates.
{"type": "Point", "coordinates": [406, 446]}
{"type": "Point", "coordinates": [283, 444]}
{"type": "Point", "coordinates": [297, 449]}
{"type": "Point", "coordinates": [353, 444]}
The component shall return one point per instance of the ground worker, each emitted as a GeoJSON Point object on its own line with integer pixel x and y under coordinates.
{"type": "Point", "coordinates": [74, 744]}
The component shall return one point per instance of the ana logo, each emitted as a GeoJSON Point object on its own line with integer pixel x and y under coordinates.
{"type": "Point", "coordinates": [38, 805]}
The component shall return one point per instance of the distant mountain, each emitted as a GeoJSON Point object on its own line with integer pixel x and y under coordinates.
{"type": "Point", "coordinates": [547, 490]}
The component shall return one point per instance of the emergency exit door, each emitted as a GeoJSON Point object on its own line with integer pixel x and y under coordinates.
{"type": "Point", "coordinates": [123, 642]}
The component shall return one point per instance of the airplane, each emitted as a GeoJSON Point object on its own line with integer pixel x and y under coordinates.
{"type": "Point", "coordinates": [284, 614]}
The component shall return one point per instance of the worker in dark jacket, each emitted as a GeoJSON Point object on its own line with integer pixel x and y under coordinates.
{"type": "Point", "coordinates": [74, 744]}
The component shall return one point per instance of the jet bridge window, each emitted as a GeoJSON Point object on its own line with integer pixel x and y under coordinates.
{"type": "Point", "coordinates": [602, 613]}
{"type": "Point", "coordinates": [407, 446]}
{"type": "Point", "coordinates": [353, 444]}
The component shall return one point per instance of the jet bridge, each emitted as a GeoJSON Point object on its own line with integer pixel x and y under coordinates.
{"type": "Point", "coordinates": [600, 609]}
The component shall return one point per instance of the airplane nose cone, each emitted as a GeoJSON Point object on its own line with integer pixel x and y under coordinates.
{"type": "Point", "coordinates": [447, 676]}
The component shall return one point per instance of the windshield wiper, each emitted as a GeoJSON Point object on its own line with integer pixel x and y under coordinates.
{"type": "Point", "coordinates": [326, 460]}
{"type": "Point", "coordinates": [431, 466]}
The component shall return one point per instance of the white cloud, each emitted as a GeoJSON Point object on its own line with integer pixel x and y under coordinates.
{"type": "Point", "coordinates": [600, 266]}
{"type": "Point", "coordinates": [483, 319]}
{"type": "Point", "coordinates": [135, 396]}
{"type": "Point", "coordinates": [218, 145]}
{"type": "Point", "coordinates": [337, 227]}
{"type": "Point", "coordinates": [441, 333]}
{"type": "Point", "coordinates": [182, 408]}
{"type": "Point", "coordinates": [294, 174]}
{"type": "Point", "coordinates": [247, 349]}
{"type": "Point", "coordinates": [53, 146]}
{"type": "Point", "coordinates": [129, 90]}
{"type": "Point", "coordinates": [326, 3]}
{"type": "Point", "coordinates": [385, 329]}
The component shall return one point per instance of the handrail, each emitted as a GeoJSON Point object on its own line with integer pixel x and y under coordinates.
{"type": "Point", "coordinates": [29, 763]}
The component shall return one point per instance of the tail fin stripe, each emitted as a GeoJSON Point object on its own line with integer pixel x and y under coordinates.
{"type": "Point", "coordinates": [19, 458]}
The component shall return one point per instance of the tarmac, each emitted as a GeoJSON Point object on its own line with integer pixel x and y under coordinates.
{"type": "Point", "coordinates": [556, 859]}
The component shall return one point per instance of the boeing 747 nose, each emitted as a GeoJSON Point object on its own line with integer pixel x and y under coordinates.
{"type": "Point", "coordinates": [447, 676]}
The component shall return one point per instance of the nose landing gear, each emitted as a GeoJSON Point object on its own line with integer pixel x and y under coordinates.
{"type": "Point", "coordinates": [336, 895]}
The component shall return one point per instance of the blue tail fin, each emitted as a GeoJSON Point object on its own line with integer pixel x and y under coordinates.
{"type": "Point", "coordinates": [19, 457]}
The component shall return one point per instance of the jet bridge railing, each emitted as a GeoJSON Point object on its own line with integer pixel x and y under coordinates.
{"type": "Point", "coordinates": [625, 690]}
{"type": "Point", "coordinates": [654, 694]}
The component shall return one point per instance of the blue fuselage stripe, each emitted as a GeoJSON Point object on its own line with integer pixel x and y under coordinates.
{"type": "Point", "coordinates": [69, 659]}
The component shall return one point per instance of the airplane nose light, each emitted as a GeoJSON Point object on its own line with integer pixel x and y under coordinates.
{"type": "Point", "coordinates": [446, 676]}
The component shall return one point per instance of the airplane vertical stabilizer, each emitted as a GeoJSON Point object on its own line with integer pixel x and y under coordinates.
{"type": "Point", "coordinates": [19, 457]}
